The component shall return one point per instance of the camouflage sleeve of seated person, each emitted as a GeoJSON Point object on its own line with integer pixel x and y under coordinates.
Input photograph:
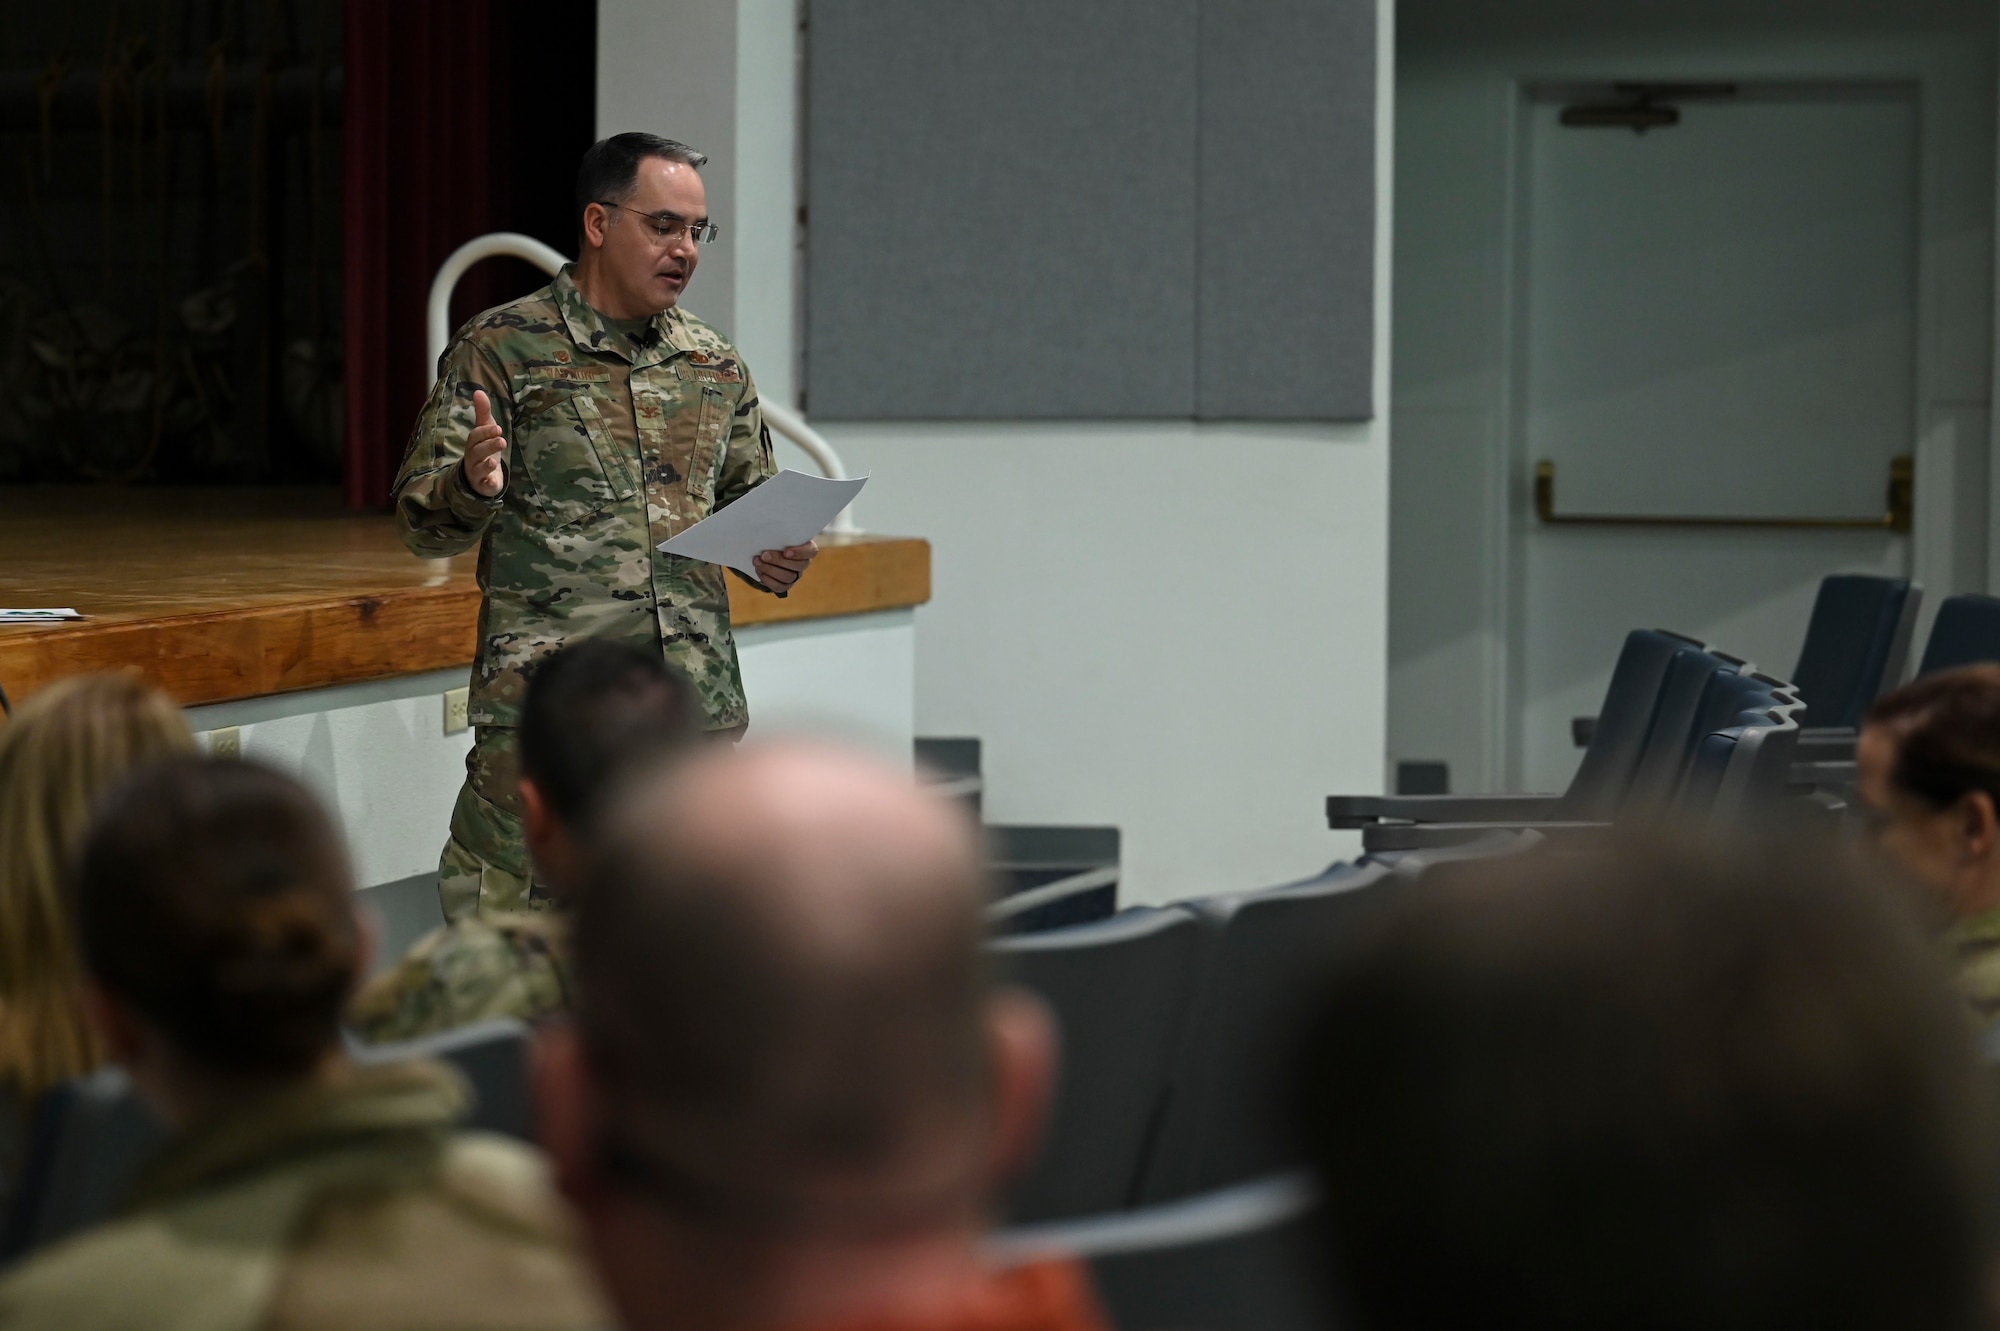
{"type": "Point", "coordinates": [474, 969]}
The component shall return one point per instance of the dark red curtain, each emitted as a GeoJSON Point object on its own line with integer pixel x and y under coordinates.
{"type": "Point", "coordinates": [420, 181]}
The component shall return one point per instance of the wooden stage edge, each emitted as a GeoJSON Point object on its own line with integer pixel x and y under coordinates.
{"type": "Point", "coordinates": [214, 596]}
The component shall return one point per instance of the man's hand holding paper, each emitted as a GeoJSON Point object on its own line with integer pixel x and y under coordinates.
{"type": "Point", "coordinates": [768, 533]}
{"type": "Point", "coordinates": [779, 569]}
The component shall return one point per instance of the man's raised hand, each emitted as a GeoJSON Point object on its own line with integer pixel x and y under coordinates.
{"type": "Point", "coordinates": [485, 450]}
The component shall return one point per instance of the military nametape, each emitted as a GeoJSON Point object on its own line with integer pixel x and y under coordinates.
{"type": "Point", "coordinates": [789, 509]}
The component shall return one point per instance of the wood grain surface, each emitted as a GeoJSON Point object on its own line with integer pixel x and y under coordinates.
{"type": "Point", "coordinates": [219, 594]}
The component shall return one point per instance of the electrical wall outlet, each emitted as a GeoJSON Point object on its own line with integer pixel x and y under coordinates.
{"type": "Point", "coordinates": [456, 702]}
{"type": "Point", "coordinates": [226, 742]}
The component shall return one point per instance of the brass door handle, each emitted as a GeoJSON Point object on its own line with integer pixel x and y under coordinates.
{"type": "Point", "coordinates": [1896, 517]}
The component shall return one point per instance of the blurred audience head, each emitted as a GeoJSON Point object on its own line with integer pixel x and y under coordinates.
{"type": "Point", "coordinates": [1656, 1087]}
{"type": "Point", "coordinates": [60, 751]}
{"type": "Point", "coordinates": [216, 918]}
{"type": "Point", "coordinates": [786, 1043]}
{"type": "Point", "coordinates": [1928, 769]}
{"type": "Point", "coordinates": [595, 710]}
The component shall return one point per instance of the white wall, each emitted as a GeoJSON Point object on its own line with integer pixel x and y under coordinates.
{"type": "Point", "coordinates": [1177, 629]}
{"type": "Point", "coordinates": [1461, 502]}
{"type": "Point", "coordinates": [721, 75]}
{"type": "Point", "coordinates": [853, 678]}
{"type": "Point", "coordinates": [764, 264]}
{"type": "Point", "coordinates": [1174, 628]}
{"type": "Point", "coordinates": [671, 69]}
{"type": "Point", "coordinates": [379, 755]}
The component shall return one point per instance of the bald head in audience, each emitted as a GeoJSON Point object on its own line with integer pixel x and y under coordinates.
{"type": "Point", "coordinates": [791, 1091]}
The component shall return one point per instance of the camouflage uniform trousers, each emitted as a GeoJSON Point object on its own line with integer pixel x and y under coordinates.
{"type": "Point", "coordinates": [485, 865]}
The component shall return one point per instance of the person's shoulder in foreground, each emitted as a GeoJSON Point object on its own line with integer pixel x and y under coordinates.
{"type": "Point", "coordinates": [299, 1189]}
{"type": "Point", "coordinates": [281, 1217]}
{"type": "Point", "coordinates": [506, 964]}
{"type": "Point", "coordinates": [791, 1094]}
{"type": "Point", "coordinates": [1660, 1084]}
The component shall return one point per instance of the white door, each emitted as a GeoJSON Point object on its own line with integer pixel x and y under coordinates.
{"type": "Point", "coordinates": [1719, 320]}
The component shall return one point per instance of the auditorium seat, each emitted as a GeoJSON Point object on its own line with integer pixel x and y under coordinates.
{"type": "Point", "coordinates": [1121, 989]}
{"type": "Point", "coordinates": [1050, 876]}
{"type": "Point", "coordinates": [1675, 724]}
{"type": "Point", "coordinates": [1857, 648]}
{"type": "Point", "coordinates": [1687, 705]}
{"type": "Point", "coordinates": [1711, 704]}
{"type": "Point", "coordinates": [1704, 701]}
{"type": "Point", "coordinates": [1221, 1124]}
{"type": "Point", "coordinates": [1966, 631]}
{"type": "Point", "coordinates": [86, 1140]}
{"type": "Point", "coordinates": [1237, 1259]}
{"type": "Point", "coordinates": [1739, 770]}
{"type": "Point", "coordinates": [89, 1137]}
{"type": "Point", "coordinates": [1601, 779]}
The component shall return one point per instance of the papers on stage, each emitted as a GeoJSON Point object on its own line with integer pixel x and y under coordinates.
{"type": "Point", "coordinates": [789, 509]}
{"type": "Point", "coordinates": [36, 616]}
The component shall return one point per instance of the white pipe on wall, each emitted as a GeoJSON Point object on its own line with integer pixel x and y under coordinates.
{"type": "Point", "coordinates": [437, 321]}
{"type": "Point", "coordinates": [437, 332]}
{"type": "Point", "coordinates": [793, 426]}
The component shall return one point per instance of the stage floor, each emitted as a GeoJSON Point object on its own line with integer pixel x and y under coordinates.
{"type": "Point", "coordinates": [124, 554]}
{"type": "Point", "coordinates": [217, 594]}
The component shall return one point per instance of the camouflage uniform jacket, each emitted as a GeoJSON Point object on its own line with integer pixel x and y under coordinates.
{"type": "Point", "coordinates": [352, 1205]}
{"type": "Point", "coordinates": [1974, 944]}
{"type": "Point", "coordinates": [614, 444]}
{"type": "Point", "coordinates": [506, 964]}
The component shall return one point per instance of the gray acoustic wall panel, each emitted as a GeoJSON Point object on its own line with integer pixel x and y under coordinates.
{"type": "Point", "coordinates": [1001, 208]}
{"type": "Point", "coordinates": [1287, 238]}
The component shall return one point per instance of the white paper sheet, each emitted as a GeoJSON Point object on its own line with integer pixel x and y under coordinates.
{"type": "Point", "coordinates": [789, 509]}
{"type": "Point", "coordinates": [36, 616]}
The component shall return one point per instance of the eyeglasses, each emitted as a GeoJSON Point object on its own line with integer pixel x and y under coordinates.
{"type": "Point", "coordinates": [670, 228]}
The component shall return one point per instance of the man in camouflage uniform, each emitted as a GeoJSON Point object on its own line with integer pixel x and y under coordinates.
{"type": "Point", "coordinates": [568, 434]}
{"type": "Point", "coordinates": [595, 710]}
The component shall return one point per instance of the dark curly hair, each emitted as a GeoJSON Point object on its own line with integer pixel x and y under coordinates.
{"type": "Point", "coordinates": [214, 897]}
{"type": "Point", "coordinates": [1947, 729]}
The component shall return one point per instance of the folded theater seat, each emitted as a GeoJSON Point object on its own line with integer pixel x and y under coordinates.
{"type": "Point", "coordinates": [1735, 760]}
{"type": "Point", "coordinates": [1642, 729]}
{"type": "Point", "coordinates": [1716, 738]}
{"type": "Point", "coordinates": [1856, 648]}
{"type": "Point", "coordinates": [1965, 632]}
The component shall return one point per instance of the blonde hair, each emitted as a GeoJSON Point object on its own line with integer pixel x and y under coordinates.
{"type": "Point", "coordinates": [58, 754]}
